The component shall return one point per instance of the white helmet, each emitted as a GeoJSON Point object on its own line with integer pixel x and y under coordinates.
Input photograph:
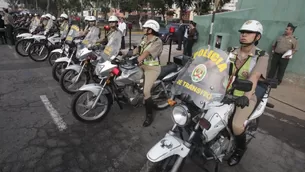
{"type": "Point", "coordinates": [53, 18]}
{"type": "Point", "coordinates": [43, 16]}
{"type": "Point", "coordinates": [113, 19]}
{"type": "Point", "coordinates": [65, 16]}
{"type": "Point", "coordinates": [91, 18]}
{"type": "Point", "coordinates": [86, 18]}
{"type": "Point", "coordinates": [253, 26]}
{"type": "Point", "coordinates": [153, 24]}
{"type": "Point", "coordinates": [48, 15]}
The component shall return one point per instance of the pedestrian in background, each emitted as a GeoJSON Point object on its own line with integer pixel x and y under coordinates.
{"type": "Point", "coordinates": [9, 23]}
{"type": "Point", "coordinates": [283, 44]}
{"type": "Point", "coordinates": [2, 31]}
{"type": "Point", "coordinates": [192, 38]}
{"type": "Point", "coordinates": [180, 32]}
{"type": "Point", "coordinates": [122, 27]}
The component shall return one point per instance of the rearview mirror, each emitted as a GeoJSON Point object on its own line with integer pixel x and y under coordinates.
{"type": "Point", "coordinates": [242, 85]}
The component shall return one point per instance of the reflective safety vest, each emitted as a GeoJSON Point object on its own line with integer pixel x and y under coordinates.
{"type": "Point", "coordinates": [150, 60]}
{"type": "Point", "coordinates": [244, 71]}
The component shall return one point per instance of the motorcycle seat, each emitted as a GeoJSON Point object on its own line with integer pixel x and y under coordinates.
{"type": "Point", "coordinates": [165, 70]}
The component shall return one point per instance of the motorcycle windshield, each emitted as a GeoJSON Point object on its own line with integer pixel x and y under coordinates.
{"type": "Point", "coordinates": [113, 46]}
{"type": "Point", "coordinates": [73, 32]}
{"type": "Point", "coordinates": [64, 30]}
{"type": "Point", "coordinates": [49, 25]}
{"type": "Point", "coordinates": [204, 78]}
{"type": "Point", "coordinates": [92, 36]}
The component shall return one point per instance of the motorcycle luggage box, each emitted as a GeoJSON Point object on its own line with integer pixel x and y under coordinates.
{"type": "Point", "coordinates": [181, 60]}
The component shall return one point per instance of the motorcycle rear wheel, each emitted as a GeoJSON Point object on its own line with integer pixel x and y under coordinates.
{"type": "Point", "coordinates": [161, 103]}
{"type": "Point", "coordinates": [57, 69]}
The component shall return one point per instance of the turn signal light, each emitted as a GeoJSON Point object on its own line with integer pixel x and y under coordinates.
{"type": "Point", "coordinates": [116, 71]}
{"type": "Point", "coordinates": [171, 102]}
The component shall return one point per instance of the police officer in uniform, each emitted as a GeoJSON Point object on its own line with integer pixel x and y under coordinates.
{"type": "Point", "coordinates": [150, 50]}
{"type": "Point", "coordinates": [113, 23]}
{"type": "Point", "coordinates": [250, 63]}
{"type": "Point", "coordinates": [282, 44]}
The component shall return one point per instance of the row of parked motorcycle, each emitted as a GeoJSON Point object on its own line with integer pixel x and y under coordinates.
{"type": "Point", "coordinates": [98, 76]}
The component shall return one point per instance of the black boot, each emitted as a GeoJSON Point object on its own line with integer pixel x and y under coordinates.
{"type": "Point", "coordinates": [240, 150]}
{"type": "Point", "coordinates": [149, 107]}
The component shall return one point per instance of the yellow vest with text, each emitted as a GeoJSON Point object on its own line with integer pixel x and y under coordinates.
{"type": "Point", "coordinates": [150, 60]}
{"type": "Point", "coordinates": [246, 68]}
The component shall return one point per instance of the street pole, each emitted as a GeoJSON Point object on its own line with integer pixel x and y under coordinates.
{"type": "Point", "coordinates": [81, 8]}
{"type": "Point", "coordinates": [212, 24]}
{"type": "Point", "coordinates": [171, 33]}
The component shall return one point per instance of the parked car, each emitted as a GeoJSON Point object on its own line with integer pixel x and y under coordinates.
{"type": "Point", "coordinates": [164, 33]}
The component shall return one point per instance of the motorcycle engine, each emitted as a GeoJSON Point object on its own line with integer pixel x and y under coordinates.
{"type": "Point", "coordinates": [220, 146]}
{"type": "Point", "coordinates": [132, 94]}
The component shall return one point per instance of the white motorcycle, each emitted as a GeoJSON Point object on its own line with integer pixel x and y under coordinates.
{"type": "Point", "coordinates": [202, 121]}
{"type": "Point", "coordinates": [67, 47]}
{"type": "Point", "coordinates": [121, 82]}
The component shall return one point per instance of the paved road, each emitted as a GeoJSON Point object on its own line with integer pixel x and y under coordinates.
{"type": "Point", "coordinates": [30, 140]}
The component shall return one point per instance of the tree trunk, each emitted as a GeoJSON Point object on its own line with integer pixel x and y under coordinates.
{"type": "Point", "coordinates": [36, 4]}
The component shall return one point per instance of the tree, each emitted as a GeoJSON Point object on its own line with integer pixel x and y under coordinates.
{"type": "Point", "coordinates": [204, 6]}
{"type": "Point", "coordinates": [13, 3]}
{"type": "Point", "coordinates": [161, 6]}
{"type": "Point", "coordinates": [183, 5]}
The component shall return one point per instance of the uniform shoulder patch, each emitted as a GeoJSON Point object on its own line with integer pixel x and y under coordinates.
{"type": "Point", "coordinates": [231, 49]}
{"type": "Point", "coordinates": [260, 52]}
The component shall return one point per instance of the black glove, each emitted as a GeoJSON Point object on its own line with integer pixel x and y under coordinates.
{"type": "Point", "coordinates": [242, 101]}
{"type": "Point", "coordinates": [129, 53]}
{"type": "Point", "coordinates": [226, 100]}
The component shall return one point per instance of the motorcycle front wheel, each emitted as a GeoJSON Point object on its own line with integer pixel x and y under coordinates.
{"type": "Point", "coordinates": [22, 46]}
{"type": "Point", "coordinates": [165, 165]}
{"type": "Point", "coordinates": [57, 69]}
{"type": "Point", "coordinates": [53, 57]}
{"type": "Point", "coordinates": [85, 99]}
{"type": "Point", "coordinates": [68, 81]}
{"type": "Point", "coordinates": [38, 52]}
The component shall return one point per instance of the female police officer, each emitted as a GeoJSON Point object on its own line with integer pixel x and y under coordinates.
{"type": "Point", "coordinates": [150, 50]}
{"type": "Point", "coordinates": [250, 63]}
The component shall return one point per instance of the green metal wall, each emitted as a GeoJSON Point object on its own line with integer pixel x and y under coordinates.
{"type": "Point", "coordinates": [274, 15]}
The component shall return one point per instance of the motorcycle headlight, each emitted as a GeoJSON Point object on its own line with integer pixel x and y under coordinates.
{"type": "Point", "coordinates": [67, 48]}
{"type": "Point", "coordinates": [181, 115]}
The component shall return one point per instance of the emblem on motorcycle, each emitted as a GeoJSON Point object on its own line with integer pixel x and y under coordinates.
{"type": "Point", "coordinates": [199, 73]}
{"type": "Point", "coordinates": [167, 144]}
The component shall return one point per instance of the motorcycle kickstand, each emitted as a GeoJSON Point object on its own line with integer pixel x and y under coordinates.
{"type": "Point", "coordinates": [119, 103]}
{"type": "Point", "coordinates": [216, 166]}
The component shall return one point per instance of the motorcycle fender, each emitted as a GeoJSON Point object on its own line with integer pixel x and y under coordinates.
{"type": "Point", "coordinates": [94, 88]}
{"type": "Point", "coordinates": [59, 50]}
{"type": "Point", "coordinates": [30, 37]}
{"type": "Point", "coordinates": [166, 147]}
{"type": "Point", "coordinates": [62, 59]}
{"type": "Point", "coordinates": [75, 67]}
{"type": "Point", "coordinates": [170, 76]}
{"type": "Point", "coordinates": [23, 35]}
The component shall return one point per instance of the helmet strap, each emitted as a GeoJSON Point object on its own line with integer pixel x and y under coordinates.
{"type": "Point", "coordinates": [249, 44]}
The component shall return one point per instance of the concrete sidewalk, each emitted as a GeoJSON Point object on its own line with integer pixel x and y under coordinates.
{"type": "Point", "coordinates": [289, 100]}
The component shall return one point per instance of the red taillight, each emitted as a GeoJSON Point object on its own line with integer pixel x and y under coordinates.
{"type": "Point", "coordinates": [116, 71]}
{"type": "Point", "coordinates": [205, 124]}
{"type": "Point", "coordinates": [172, 29]}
